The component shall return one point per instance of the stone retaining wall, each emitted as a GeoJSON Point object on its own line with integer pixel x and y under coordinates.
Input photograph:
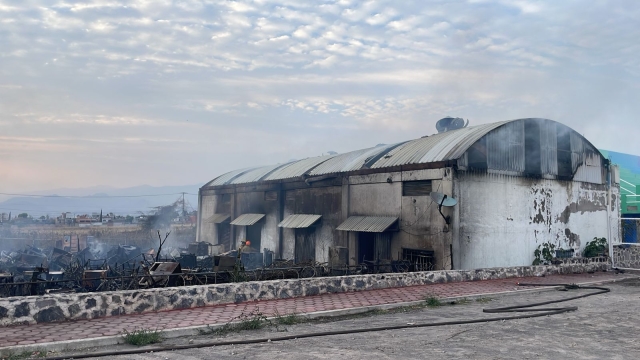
{"type": "Point", "coordinates": [61, 307]}
{"type": "Point", "coordinates": [626, 256]}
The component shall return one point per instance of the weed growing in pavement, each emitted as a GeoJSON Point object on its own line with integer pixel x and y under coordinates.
{"type": "Point", "coordinates": [252, 321]}
{"type": "Point", "coordinates": [289, 319]}
{"type": "Point", "coordinates": [483, 300]}
{"type": "Point", "coordinates": [433, 302]}
{"type": "Point", "coordinates": [26, 355]}
{"type": "Point", "coordinates": [142, 337]}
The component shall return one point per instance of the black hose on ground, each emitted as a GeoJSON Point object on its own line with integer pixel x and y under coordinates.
{"type": "Point", "coordinates": [539, 312]}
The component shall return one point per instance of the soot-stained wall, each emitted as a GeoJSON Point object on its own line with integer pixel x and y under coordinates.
{"type": "Point", "coordinates": [502, 219]}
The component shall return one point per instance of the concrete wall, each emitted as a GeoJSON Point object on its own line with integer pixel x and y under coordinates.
{"type": "Point", "coordinates": [206, 230]}
{"type": "Point", "coordinates": [62, 307]}
{"type": "Point", "coordinates": [500, 220]}
{"type": "Point", "coordinates": [420, 224]}
{"type": "Point", "coordinates": [325, 201]}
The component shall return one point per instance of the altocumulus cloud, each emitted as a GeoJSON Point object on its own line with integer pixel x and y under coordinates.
{"type": "Point", "coordinates": [171, 92]}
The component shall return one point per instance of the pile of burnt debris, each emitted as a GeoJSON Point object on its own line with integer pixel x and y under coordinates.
{"type": "Point", "coordinates": [100, 267]}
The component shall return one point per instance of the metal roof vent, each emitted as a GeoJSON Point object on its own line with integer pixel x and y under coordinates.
{"type": "Point", "coordinates": [450, 123]}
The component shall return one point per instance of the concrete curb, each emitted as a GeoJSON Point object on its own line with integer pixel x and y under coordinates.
{"type": "Point", "coordinates": [81, 344]}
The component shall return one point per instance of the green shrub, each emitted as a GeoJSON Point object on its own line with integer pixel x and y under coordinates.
{"type": "Point", "coordinates": [433, 302]}
{"type": "Point", "coordinates": [595, 248]}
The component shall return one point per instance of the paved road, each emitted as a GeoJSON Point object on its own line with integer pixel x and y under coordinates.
{"type": "Point", "coordinates": [604, 327]}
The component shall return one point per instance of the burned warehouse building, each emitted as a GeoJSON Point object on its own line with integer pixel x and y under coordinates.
{"type": "Point", "coordinates": [465, 198]}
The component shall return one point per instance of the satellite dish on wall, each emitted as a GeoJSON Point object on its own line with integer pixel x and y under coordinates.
{"type": "Point", "coordinates": [443, 200]}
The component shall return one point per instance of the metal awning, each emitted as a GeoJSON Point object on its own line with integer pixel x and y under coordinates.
{"type": "Point", "coordinates": [247, 219]}
{"type": "Point", "coordinates": [299, 221]}
{"type": "Point", "coordinates": [367, 223]}
{"type": "Point", "coordinates": [218, 218]}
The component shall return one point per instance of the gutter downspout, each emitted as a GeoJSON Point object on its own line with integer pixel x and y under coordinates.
{"type": "Point", "coordinates": [609, 203]}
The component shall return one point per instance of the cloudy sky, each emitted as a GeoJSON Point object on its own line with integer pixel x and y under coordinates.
{"type": "Point", "coordinates": [124, 93]}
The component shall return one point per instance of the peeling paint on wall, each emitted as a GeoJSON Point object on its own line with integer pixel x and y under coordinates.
{"type": "Point", "coordinates": [574, 239]}
{"type": "Point", "coordinates": [502, 219]}
{"type": "Point", "coordinates": [542, 198]}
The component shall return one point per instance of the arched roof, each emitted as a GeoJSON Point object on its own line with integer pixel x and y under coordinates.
{"type": "Point", "coordinates": [446, 146]}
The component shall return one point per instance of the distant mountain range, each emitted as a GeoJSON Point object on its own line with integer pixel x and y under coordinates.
{"type": "Point", "coordinates": [120, 201]}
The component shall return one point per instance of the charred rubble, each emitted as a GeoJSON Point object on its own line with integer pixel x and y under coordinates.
{"type": "Point", "coordinates": [36, 271]}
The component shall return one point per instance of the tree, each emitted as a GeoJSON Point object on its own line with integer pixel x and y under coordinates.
{"type": "Point", "coordinates": [162, 218]}
{"type": "Point", "coordinates": [23, 216]}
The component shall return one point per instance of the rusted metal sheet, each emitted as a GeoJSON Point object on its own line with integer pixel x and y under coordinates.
{"type": "Point", "coordinates": [367, 223]}
{"type": "Point", "coordinates": [299, 221]}
{"type": "Point", "coordinates": [247, 219]}
{"type": "Point", "coordinates": [297, 168]}
{"type": "Point", "coordinates": [91, 279]}
{"type": "Point", "coordinates": [218, 218]}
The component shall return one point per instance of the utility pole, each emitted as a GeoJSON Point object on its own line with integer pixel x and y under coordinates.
{"type": "Point", "coordinates": [183, 214]}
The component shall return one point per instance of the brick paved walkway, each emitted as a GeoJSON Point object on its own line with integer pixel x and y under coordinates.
{"type": "Point", "coordinates": [220, 314]}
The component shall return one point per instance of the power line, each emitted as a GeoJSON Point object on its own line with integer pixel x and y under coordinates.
{"type": "Point", "coordinates": [95, 196]}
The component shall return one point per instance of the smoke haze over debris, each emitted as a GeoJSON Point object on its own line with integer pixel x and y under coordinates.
{"type": "Point", "coordinates": [124, 93]}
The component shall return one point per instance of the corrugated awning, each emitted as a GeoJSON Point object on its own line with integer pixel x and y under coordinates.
{"type": "Point", "coordinates": [367, 223]}
{"type": "Point", "coordinates": [218, 218]}
{"type": "Point", "coordinates": [247, 219]}
{"type": "Point", "coordinates": [299, 221]}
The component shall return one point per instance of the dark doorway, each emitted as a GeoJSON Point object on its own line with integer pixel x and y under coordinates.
{"type": "Point", "coordinates": [366, 246]}
{"type": "Point", "coordinates": [374, 246]}
{"type": "Point", "coordinates": [254, 234]}
{"type": "Point", "coordinates": [224, 235]}
{"type": "Point", "coordinates": [305, 249]}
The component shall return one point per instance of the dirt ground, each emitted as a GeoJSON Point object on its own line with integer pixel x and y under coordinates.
{"type": "Point", "coordinates": [605, 326]}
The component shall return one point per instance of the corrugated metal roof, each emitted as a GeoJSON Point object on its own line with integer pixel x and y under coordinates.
{"type": "Point", "coordinates": [224, 178]}
{"type": "Point", "coordinates": [299, 221]}
{"type": "Point", "coordinates": [297, 168]}
{"type": "Point", "coordinates": [439, 147]}
{"type": "Point", "coordinates": [367, 223]}
{"type": "Point", "coordinates": [247, 219]}
{"type": "Point", "coordinates": [350, 161]}
{"type": "Point", "coordinates": [218, 218]}
{"type": "Point", "coordinates": [450, 145]}
{"type": "Point", "coordinates": [255, 174]}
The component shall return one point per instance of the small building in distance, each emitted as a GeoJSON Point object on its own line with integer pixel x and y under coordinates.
{"type": "Point", "coordinates": [515, 185]}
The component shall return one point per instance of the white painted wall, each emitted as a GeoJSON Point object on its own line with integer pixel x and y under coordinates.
{"type": "Point", "coordinates": [502, 219]}
{"type": "Point", "coordinates": [269, 232]}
